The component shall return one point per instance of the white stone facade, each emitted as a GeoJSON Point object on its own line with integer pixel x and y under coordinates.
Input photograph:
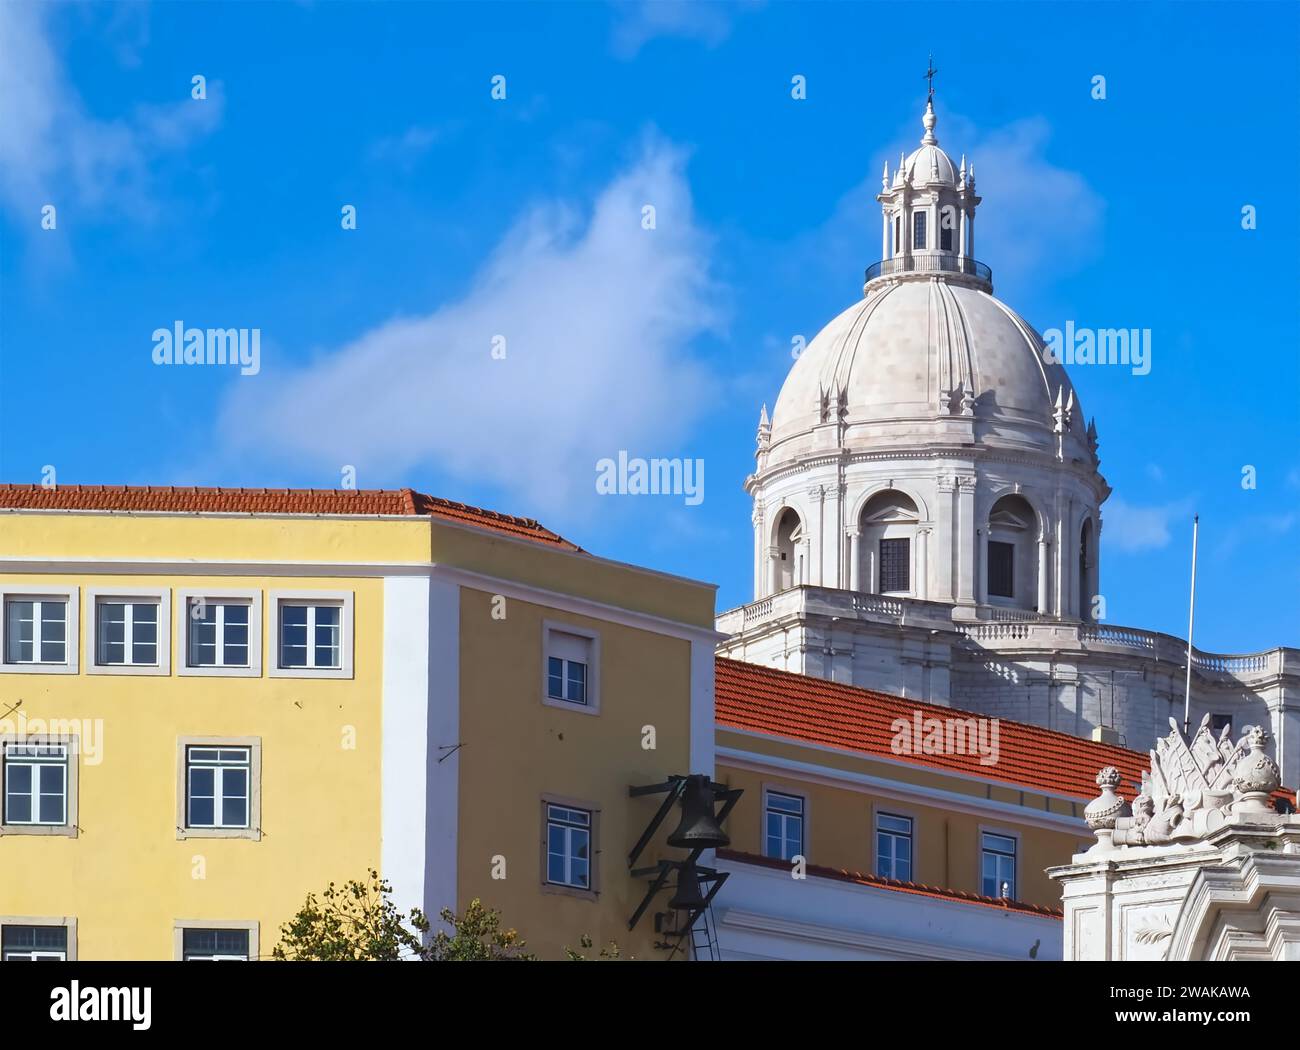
{"type": "Point", "coordinates": [927, 509]}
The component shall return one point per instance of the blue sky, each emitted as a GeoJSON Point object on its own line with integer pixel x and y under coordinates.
{"type": "Point", "coordinates": [521, 217]}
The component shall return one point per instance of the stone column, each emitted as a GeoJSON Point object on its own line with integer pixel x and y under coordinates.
{"type": "Point", "coordinates": [773, 569]}
{"type": "Point", "coordinates": [968, 560]}
{"type": "Point", "coordinates": [921, 588]}
{"type": "Point", "coordinates": [757, 519]}
{"type": "Point", "coordinates": [884, 233]}
{"type": "Point", "coordinates": [1042, 573]}
{"type": "Point", "coordinates": [855, 571]}
{"type": "Point", "coordinates": [817, 538]}
{"type": "Point", "coordinates": [945, 540]}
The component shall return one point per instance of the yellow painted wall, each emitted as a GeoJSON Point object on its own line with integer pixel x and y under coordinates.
{"type": "Point", "coordinates": [126, 877]}
{"type": "Point", "coordinates": [516, 749]}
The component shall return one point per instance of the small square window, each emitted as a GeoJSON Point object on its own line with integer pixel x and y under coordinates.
{"type": "Point", "coordinates": [568, 846]}
{"type": "Point", "coordinates": [126, 633]}
{"type": "Point", "coordinates": [36, 630]}
{"type": "Point", "coordinates": [310, 635]}
{"type": "Point", "coordinates": [571, 675]}
{"type": "Point", "coordinates": [36, 784]}
{"type": "Point", "coordinates": [218, 633]}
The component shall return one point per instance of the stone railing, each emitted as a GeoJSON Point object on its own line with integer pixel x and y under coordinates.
{"type": "Point", "coordinates": [1001, 629]}
{"type": "Point", "coordinates": [831, 602]}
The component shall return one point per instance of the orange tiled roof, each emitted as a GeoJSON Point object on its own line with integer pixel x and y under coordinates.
{"type": "Point", "coordinates": [880, 882]}
{"type": "Point", "coordinates": [187, 500]}
{"type": "Point", "coordinates": [781, 703]}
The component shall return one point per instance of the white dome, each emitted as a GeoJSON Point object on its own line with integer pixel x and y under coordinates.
{"type": "Point", "coordinates": [930, 164]}
{"type": "Point", "coordinates": [910, 354]}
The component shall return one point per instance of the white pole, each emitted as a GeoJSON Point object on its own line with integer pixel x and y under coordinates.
{"type": "Point", "coordinates": [1191, 620]}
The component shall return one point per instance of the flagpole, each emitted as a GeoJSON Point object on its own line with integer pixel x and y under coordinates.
{"type": "Point", "coordinates": [1191, 620]}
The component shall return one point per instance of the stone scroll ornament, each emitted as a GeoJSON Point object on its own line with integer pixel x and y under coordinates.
{"type": "Point", "coordinates": [1190, 790]}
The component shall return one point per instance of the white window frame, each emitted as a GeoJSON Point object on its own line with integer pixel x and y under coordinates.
{"type": "Point", "coordinates": [66, 921]}
{"type": "Point", "coordinates": [130, 596]}
{"type": "Point", "coordinates": [71, 631]}
{"type": "Point", "coordinates": [72, 751]}
{"type": "Point", "coordinates": [254, 828]}
{"type": "Point", "coordinates": [789, 792]}
{"type": "Point", "coordinates": [1005, 833]}
{"type": "Point", "coordinates": [897, 814]}
{"type": "Point", "coordinates": [592, 890]}
{"type": "Point", "coordinates": [592, 706]}
{"type": "Point", "coordinates": [181, 925]}
{"type": "Point", "coordinates": [343, 601]}
{"type": "Point", "coordinates": [253, 598]}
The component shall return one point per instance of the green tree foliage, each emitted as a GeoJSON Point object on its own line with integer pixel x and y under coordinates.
{"type": "Point", "coordinates": [360, 923]}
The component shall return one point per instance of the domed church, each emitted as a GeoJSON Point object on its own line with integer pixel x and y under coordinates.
{"type": "Point", "coordinates": [928, 509]}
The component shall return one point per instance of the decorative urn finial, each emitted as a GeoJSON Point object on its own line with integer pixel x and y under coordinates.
{"type": "Point", "coordinates": [1256, 776]}
{"type": "Point", "coordinates": [1101, 813]}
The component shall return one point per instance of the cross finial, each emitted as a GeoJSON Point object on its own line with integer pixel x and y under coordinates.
{"type": "Point", "coordinates": [929, 74]}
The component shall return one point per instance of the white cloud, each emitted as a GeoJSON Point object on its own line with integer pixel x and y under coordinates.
{"type": "Point", "coordinates": [597, 314]}
{"type": "Point", "coordinates": [644, 20]}
{"type": "Point", "coordinates": [1131, 528]}
{"type": "Point", "coordinates": [52, 149]}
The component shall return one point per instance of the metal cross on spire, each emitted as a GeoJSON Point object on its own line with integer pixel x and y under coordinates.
{"type": "Point", "coordinates": [929, 74]}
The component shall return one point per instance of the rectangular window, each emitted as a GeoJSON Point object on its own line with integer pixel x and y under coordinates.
{"type": "Point", "coordinates": [217, 786]}
{"type": "Point", "coordinates": [570, 668]}
{"type": "Point", "coordinates": [894, 847]}
{"type": "Point", "coordinates": [218, 633]}
{"type": "Point", "coordinates": [199, 945]}
{"type": "Point", "coordinates": [998, 866]}
{"type": "Point", "coordinates": [310, 635]}
{"type": "Point", "coordinates": [568, 846]}
{"type": "Point", "coordinates": [945, 237]}
{"type": "Point", "coordinates": [783, 837]}
{"type": "Point", "coordinates": [126, 632]}
{"type": "Point", "coordinates": [898, 235]}
{"type": "Point", "coordinates": [895, 565]}
{"type": "Point", "coordinates": [918, 230]}
{"type": "Point", "coordinates": [566, 680]}
{"type": "Point", "coordinates": [33, 943]}
{"type": "Point", "coordinates": [1002, 560]}
{"type": "Point", "coordinates": [36, 630]}
{"type": "Point", "coordinates": [36, 784]}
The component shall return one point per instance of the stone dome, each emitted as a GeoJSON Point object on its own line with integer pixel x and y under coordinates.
{"type": "Point", "coordinates": [917, 350]}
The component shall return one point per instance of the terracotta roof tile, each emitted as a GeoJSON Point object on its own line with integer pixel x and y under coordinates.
{"type": "Point", "coordinates": [186, 500]}
{"type": "Point", "coordinates": [782, 703]}
{"type": "Point", "coordinates": [844, 875]}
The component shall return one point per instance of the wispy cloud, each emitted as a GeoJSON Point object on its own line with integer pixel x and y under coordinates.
{"type": "Point", "coordinates": [1130, 528]}
{"type": "Point", "coordinates": [52, 151]}
{"type": "Point", "coordinates": [639, 21]}
{"type": "Point", "coordinates": [597, 314]}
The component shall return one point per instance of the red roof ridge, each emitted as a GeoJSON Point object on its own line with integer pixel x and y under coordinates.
{"type": "Point", "coordinates": [195, 499]}
{"type": "Point", "coordinates": [881, 882]}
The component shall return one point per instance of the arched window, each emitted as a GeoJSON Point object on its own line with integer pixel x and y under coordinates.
{"type": "Point", "coordinates": [888, 544]}
{"type": "Point", "coordinates": [789, 549]}
{"type": "Point", "coordinates": [1010, 567]}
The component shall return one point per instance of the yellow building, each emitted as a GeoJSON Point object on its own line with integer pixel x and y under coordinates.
{"type": "Point", "coordinates": [216, 701]}
{"type": "Point", "coordinates": [877, 827]}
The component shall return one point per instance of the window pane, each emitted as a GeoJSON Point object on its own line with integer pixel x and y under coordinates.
{"type": "Point", "coordinates": [918, 228]}
{"type": "Point", "coordinates": [895, 565]}
{"type": "Point", "coordinates": [555, 678]}
{"type": "Point", "coordinates": [203, 639]}
{"type": "Point", "coordinates": [1001, 569]}
{"type": "Point", "coordinates": [577, 682]}
{"type": "Point", "coordinates": [327, 636]}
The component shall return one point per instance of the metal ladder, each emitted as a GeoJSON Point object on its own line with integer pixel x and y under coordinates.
{"type": "Point", "coordinates": [704, 937]}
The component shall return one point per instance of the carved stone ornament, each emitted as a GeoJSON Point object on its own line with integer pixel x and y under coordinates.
{"type": "Point", "coordinates": [1101, 813]}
